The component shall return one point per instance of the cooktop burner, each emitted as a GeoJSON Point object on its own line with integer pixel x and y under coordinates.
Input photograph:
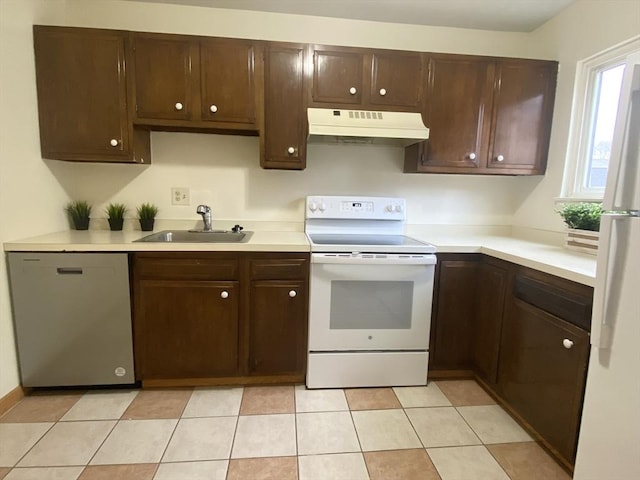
{"type": "Point", "coordinates": [368, 244]}
{"type": "Point", "coordinates": [336, 224]}
{"type": "Point", "coordinates": [383, 240]}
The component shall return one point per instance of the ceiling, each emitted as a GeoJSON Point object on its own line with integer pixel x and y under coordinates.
{"type": "Point", "coordinates": [502, 15]}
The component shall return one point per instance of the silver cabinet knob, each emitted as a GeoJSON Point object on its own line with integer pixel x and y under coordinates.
{"type": "Point", "coordinates": [224, 294]}
{"type": "Point", "coordinates": [213, 108]}
{"type": "Point", "coordinates": [500, 158]}
{"type": "Point", "coordinates": [353, 90]}
{"type": "Point", "coordinates": [292, 293]}
{"type": "Point", "coordinates": [113, 142]}
{"type": "Point", "coordinates": [179, 106]}
{"type": "Point", "coordinates": [383, 92]}
{"type": "Point", "coordinates": [472, 156]}
{"type": "Point", "coordinates": [566, 343]}
{"type": "Point", "coordinates": [291, 150]}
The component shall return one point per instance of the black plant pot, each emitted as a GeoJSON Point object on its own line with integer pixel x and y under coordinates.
{"type": "Point", "coordinates": [81, 223]}
{"type": "Point", "coordinates": [116, 223]}
{"type": "Point", "coordinates": [146, 224]}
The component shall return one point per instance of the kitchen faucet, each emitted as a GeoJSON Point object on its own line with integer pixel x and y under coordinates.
{"type": "Point", "coordinates": [205, 211]}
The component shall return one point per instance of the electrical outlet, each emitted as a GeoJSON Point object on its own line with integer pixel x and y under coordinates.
{"type": "Point", "coordinates": [180, 196]}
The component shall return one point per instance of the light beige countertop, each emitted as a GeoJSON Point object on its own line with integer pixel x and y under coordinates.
{"type": "Point", "coordinates": [550, 258]}
{"type": "Point", "coordinates": [124, 241]}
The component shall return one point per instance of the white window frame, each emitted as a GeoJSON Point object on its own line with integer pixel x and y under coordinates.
{"type": "Point", "coordinates": [587, 71]}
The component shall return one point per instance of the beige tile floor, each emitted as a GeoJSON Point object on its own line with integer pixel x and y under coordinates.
{"type": "Point", "coordinates": [449, 430]}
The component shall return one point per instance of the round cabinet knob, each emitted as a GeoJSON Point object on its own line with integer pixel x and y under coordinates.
{"type": "Point", "coordinates": [213, 108]}
{"type": "Point", "coordinates": [313, 206]}
{"type": "Point", "coordinates": [179, 106]}
{"type": "Point", "coordinates": [500, 158]}
{"type": "Point", "coordinates": [566, 343]}
{"type": "Point", "coordinates": [353, 90]}
{"type": "Point", "coordinates": [472, 156]}
{"type": "Point", "coordinates": [291, 150]}
{"type": "Point", "coordinates": [383, 91]}
{"type": "Point", "coordinates": [224, 294]}
{"type": "Point", "coordinates": [292, 293]}
{"type": "Point", "coordinates": [113, 142]}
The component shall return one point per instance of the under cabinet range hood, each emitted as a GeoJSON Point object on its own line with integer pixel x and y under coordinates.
{"type": "Point", "coordinates": [365, 127]}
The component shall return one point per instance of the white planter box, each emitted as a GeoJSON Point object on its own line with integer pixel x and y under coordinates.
{"type": "Point", "coordinates": [584, 241]}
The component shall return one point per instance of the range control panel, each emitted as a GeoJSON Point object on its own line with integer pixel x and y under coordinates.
{"type": "Point", "coordinates": [357, 208]}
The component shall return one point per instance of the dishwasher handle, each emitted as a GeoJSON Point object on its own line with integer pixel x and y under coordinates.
{"type": "Point", "coordinates": [69, 270]}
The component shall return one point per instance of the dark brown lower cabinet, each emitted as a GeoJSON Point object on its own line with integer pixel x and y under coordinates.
{"type": "Point", "coordinates": [491, 291]}
{"type": "Point", "coordinates": [220, 317]}
{"type": "Point", "coordinates": [523, 334]}
{"type": "Point", "coordinates": [453, 312]}
{"type": "Point", "coordinates": [543, 366]}
{"type": "Point", "coordinates": [188, 329]}
{"type": "Point", "coordinates": [278, 328]}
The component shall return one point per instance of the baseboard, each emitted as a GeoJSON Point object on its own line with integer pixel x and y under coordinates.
{"type": "Point", "coordinates": [223, 381]}
{"type": "Point", "coordinates": [10, 399]}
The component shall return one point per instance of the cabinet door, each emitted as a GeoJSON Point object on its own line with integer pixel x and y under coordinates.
{"type": "Point", "coordinates": [458, 102]}
{"type": "Point", "coordinates": [396, 80]}
{"type": "Point", "coordinates": [186, 329]}
{"type": "Point", "coordinates": [285, 133]}
{"type": "Point", "coordinates": [523, 108]}
{"type": "Point", "coordinates": [454, 314]}
{"type": "Point", "coordinates": [338, 77]}
{"type": "Point", "coordinates": [164, 83]}
{"type": "Point", "coordinates": [543, 362]}
{"type": "Point", "coordinates": [227, 81]}
{"type": "Point", "coordinates": [82, 94]}
{"type": "Point", "coordinates": [492, 288]}
{"type": "Point", "coordinates": [278, 326]}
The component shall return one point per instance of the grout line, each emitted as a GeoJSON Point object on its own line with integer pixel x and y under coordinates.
{"type": "Point", "coordinates": [235, 432]}
{"type": "Point", "coordinates": [115, 424]}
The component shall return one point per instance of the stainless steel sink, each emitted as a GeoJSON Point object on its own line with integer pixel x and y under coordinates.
{"type": "Point", "coordinates": [197, 236]}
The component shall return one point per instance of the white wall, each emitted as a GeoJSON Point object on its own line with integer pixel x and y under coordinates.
{"type": "Point", "coordinates": [31, 199]}
{"type": "Point", "coordinates": [583, 29]}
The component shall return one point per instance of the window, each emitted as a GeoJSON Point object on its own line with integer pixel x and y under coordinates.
{"type": "Point", "coordinates": [595, 105]}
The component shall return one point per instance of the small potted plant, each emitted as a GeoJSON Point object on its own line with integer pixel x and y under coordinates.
{"type": "Point", "coordinates": [79, 212]}
{"type": "Point", "coordinates": [583, 221]}
{"type": "Point", "coordinates": [146, 214]}
{"type": "Point", "coordinates": [115, 213]}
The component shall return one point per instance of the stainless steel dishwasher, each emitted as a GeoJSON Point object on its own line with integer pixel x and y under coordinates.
{"type": "Point", "coordinates": [72, 318]}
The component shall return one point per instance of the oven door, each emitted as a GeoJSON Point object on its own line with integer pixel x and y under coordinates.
{"type": "Point", "coordinates": [370, 302]}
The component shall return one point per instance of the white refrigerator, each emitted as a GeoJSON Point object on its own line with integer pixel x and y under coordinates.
{"type": "Point", "coordinates": [609, 439]}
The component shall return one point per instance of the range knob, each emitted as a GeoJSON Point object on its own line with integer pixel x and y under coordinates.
{"type": "Point", "coordinates": [322, 207]}
{"type": "Point", "coordinates": [398, 208]}
{"type": "Point", "coordinates": [389, 208]}
{"type": "Point", "coordinates": [313, 206]}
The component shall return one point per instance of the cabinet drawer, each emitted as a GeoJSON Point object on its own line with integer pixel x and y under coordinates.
{"type": "Point", "coordinates": [569, 306]}
{"type": "Point", "coordinates": [278, 269]}
{"type": "Point", "coordinates": [178, 266]}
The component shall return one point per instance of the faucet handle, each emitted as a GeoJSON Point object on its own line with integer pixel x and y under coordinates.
{"type": "Point", "coordinates": [203, 209]}
{"type": "Point", "coordinates": [237, 229]}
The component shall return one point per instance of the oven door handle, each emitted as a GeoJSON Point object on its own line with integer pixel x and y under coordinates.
{"type": "Point", "coordinates": [373, 259]}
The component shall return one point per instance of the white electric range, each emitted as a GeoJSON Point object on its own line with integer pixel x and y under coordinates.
{"type": "Point", "coordinates": [371, 291]}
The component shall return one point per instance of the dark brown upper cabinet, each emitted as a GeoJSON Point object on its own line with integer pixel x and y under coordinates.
{"type": "Point", "coordinates": [366, 79]}
{"type": "Point", "coordinates": [81, 77]}
{"type": "Point", "coordinates": [396, 80]}
{"type": "Point", "coordinates": [195, 82]}
{"type": "Point", "coordinates": [283, 142]}
{"type": "Point", "coordinates": [486, 116]}
{"type": "Point", "coordinates": [524, 92]}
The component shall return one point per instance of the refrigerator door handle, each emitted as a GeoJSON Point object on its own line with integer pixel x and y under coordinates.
{"type": "Point", "coordinates": [602, 324]}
